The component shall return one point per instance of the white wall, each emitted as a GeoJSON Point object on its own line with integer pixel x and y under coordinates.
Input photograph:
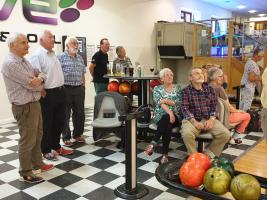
{"type": "Point", "coordinates": [125, 22]}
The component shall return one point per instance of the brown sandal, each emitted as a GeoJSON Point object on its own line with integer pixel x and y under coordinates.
{"type": "Point", "coordinates": [33, 179]}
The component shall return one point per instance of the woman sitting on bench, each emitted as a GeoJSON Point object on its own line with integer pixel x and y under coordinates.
{"type": "Point", "coordinates": [215, 79]}
{"type": "Point", "coordinates": [167, 104]}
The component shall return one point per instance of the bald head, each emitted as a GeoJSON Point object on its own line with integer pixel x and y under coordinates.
{"type": "Point", "coordinates": [47, 40]}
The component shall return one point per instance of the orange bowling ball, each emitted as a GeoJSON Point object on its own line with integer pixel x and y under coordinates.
{"type": "Point", "coordinates": [135, 88]}
{"type": "Point", "coordinates": [113, 86]}
{"type": "Point", "coordinates": [125, 88]}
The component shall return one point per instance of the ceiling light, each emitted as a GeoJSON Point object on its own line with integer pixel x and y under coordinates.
{"type": "Point", "coordinates": [257, 19]}
{"type": "Point", "coordinates": [241, 7]}
{"type": "Point", "coordinates": [261, 15]}
{"type": "Point", "coordinates": [252, 11]}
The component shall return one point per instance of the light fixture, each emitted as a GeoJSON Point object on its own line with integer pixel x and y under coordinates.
{"type": "Point", "coordinates": [252, 11]}
{"type": "Point", "coordinates": [257, 19]}
{"type": "Point", "coordinates": [261, 15]}
{"type": "Point", "coordinates": [241, 7]}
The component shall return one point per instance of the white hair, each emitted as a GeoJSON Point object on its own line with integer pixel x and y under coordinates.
{"type": "Point", "coordinates": [163, 72]}
{"type": "Point", "coordinates": [213, 73]}
{"type": "Point", "coordinates": [43, 34]}
{"type": "Point", "coordinates": [13, 37]}
{"type": "Point", "coordinates": [68, 40]}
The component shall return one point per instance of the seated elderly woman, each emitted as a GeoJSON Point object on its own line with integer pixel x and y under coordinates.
{"type": "Point", "coordinates": [167, 104]}
{"type": "Point", "coordinates": [215, 79]}
{"type": "Point", "coordinates": [205, 69]}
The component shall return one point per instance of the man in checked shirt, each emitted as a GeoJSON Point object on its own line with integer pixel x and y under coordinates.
{"type": "Point", "coordinates": [74, 70]}
{"type": "Point", "coordinates": [23, 87]}
{"type": "Point", "coordinates": [199, 111]}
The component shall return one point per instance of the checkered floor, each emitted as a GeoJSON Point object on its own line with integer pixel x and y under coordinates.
{"type": "Point", "coordinates": [94, 171]}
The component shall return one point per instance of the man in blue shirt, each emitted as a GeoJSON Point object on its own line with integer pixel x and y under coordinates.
{"type": "Point", "coordinates": [74, 71]}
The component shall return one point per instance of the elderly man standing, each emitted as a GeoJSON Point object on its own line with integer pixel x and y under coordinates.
{"type": "Point", "coordinates": [74, 75]}
{"type": "Point", "coordinates": [53, 102]}
{"type": "Point", "coordinates": [199, 110]}
{"type": "Point", "coordinates": [23, 86]}
{"type": "Point", "coordinates": [99, 65]}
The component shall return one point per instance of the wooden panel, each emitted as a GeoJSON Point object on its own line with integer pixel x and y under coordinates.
{"type": "Point", "coordinates": [188, 42]}
{"type": "Point", "coordinates": [173, 34]}
{"type": "Point", "coordinates": [236, 72]}
{"type": "Point", "coordinates": [254, 161]}
{"type": "Point", "coordinates": [199, 61]}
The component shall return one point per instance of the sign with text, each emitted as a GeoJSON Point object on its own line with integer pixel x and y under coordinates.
{"type": "Point", "coordinates": [44, 7]}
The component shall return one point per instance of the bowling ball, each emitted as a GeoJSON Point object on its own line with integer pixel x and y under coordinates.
{"type": "Point", "coordinates": [217, 180]}
{"type": "Point", "coordinates": [191, 174]}
{"type": "Point", "coordinates": [113, 86]}
{"type": "Point", "coordinates": [245, 187]}
{"type": "Point", "coordinates": [135, 88]}
{"type": "Point", "coordinates": [125, 88]}
{"type": "Point", "coordinates": [200, 159]}
{"type": "Point", "coordinates": [225, 164]}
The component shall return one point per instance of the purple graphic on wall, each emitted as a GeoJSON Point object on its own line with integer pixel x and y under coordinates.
{"type": "Point", "coordinates": [69, 14]}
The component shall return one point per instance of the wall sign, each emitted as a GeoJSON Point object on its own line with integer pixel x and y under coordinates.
{"type": "Point", "coordinates": [69, 13]}
{"type": "Point", "coordinates": [32, 37]}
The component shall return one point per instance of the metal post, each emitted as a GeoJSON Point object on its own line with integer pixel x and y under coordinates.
{"type": "Point", "coordinates": [131, 189]}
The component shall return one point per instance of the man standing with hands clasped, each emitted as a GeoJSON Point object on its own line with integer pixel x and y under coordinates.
{"type": "Point", "coordinates": [74, 77]}
{"type": "Point", "coordinates": [199, 111]}
{"type": "Point", "coordinates": [53, 101]}
{"type": "Point", "coordinates": [23, 86]}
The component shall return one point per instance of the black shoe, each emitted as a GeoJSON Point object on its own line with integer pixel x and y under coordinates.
{"type": "Point", "coordinates": [120, 145]}
{"type": "Point", "coordinates": [141, 137]}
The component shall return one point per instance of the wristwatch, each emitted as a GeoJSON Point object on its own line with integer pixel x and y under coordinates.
{"type": "Point", "coordinates": [213, 118]}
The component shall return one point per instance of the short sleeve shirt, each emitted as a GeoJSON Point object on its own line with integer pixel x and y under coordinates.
{"type": "Point", "coordinates": [100, 60]}
{"type": "Point", "coordinates": [160, 93]}
{"type": "Point", "coordinates": [73, 69]}
{"type": "Point", "coordinates": [251, 66]}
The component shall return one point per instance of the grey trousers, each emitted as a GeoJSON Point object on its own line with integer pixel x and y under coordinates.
{"type": "Point", "coordinates": [220, 133]}
{"type": "Point", "coordinates": [29, 121]}
{"type": "Point", "coordinates": [263, 114]}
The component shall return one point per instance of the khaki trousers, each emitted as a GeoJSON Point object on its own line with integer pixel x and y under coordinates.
{"type": "Point", "coordinates": [221, 136]}
{"type": "Point", "coordinates": [29, 121]}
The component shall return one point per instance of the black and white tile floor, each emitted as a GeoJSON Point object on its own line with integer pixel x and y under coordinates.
{"type": "Point", "coordinates": [94, 171]}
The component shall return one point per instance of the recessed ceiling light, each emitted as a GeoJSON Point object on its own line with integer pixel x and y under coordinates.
{"type": "Point", "coordinates": [241, 7]}
{"type": "Point", "coordinates": [261, 15]}
{"type": "Point", "coordinates": [252, 11]}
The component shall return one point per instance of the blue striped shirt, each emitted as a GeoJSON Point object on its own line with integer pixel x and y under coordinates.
{"type": "Point", "coordinates": [73, 69]}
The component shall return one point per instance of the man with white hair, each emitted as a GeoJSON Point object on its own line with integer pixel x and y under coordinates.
{"type": "Point", "coordinates": [23, 86]}
{"type": "Point", "coordinates": [199, 111]}
{"type": "Point", "coordinates": [53, 97]}
{"type": "Point", "coordinates": [74, 71]}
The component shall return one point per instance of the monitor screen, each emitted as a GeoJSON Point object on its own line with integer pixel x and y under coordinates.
{"type": "Point", "coordinates": [171, 51]}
